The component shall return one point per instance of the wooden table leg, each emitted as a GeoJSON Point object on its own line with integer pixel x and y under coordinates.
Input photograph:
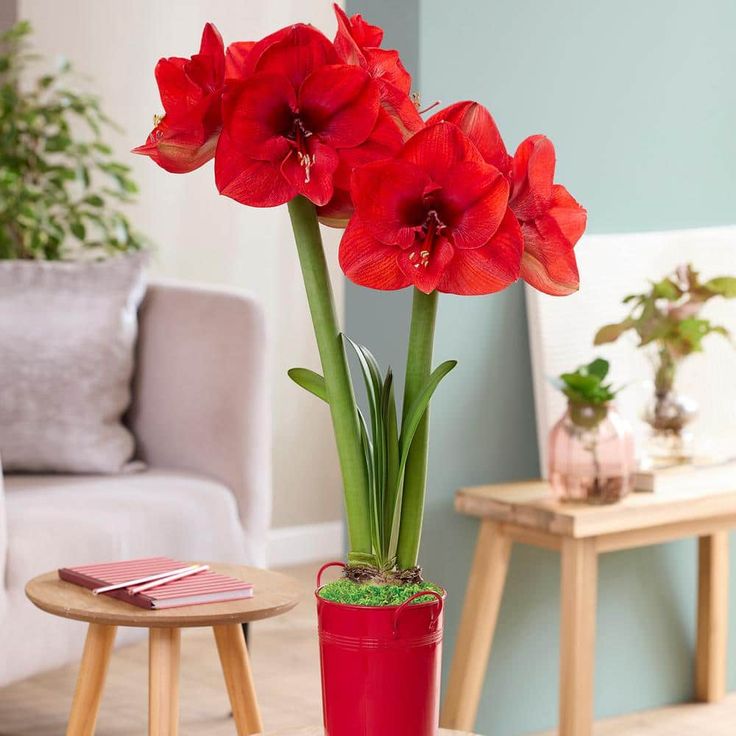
{"type": "Point", "coordinates": [710, 660]}
{"type": "Point", "coordinates": [164, 653]}
{"type": "Point", "coordinates": [577, 636]}
{"type": "Point", "coordinates": [478, 622]}
{"type": "Point", "coordinates": [91, 680]}
{"type": "Point", "coordinates": [238, 678]}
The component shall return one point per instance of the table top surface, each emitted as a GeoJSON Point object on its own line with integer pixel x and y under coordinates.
{"type": "Point", "coordinates": [318, 731]}
{"type": "Point", "coordinates": [274, 594]}
{"type": "Point", "coordinates": [530, 504]}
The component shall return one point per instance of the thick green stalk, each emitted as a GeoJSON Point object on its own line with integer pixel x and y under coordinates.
{"type": "Point", "coordinates": [335, 369]}
{"type": "Point", "coordinates": [418, 369]}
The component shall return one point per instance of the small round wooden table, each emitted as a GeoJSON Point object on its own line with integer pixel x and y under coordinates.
{"type": "Point", "coordinates": [274, 594]}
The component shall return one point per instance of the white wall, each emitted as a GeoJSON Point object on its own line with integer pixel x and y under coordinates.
{"type": "Point", "coordinates": [199, 235]}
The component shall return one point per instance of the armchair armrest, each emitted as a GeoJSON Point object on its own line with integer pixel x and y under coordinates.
{"type": "Point", "coordinates": [200, 394]}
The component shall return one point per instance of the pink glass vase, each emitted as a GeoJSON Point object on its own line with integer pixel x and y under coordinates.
{"type": "Point", "coordinates": [591, 455]}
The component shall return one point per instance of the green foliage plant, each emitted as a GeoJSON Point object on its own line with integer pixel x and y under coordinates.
{"type": "Point", "coordinates": [587, 393]}
{"type": "Point", "coordinates": [667, 316]}
{"type": "Point", "coordinates": [61, 190]}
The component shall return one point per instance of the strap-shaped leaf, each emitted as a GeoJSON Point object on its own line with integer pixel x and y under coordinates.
{"type": "Point", "coordinates": [377, 468]}
{"type": "Point", "coordinates": [310, 381]}
{"type": "Point", "coordinates": [418, 408]}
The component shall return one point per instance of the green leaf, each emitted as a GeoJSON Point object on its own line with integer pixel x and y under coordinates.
{"type": "Point", "coordinates": [418, 408]}
{"type": "Point", "coordinates": [310, 381]}
{"type": "Point", "coordinates": [374, 385]}
{"type": "Point", "coordinates": [599, 367]}
{"type": "Point", "coordinates": [722, 286]}
{"type": "Point", "coordinates": [666, 289]}
{"type": "Point", "coordinates": [78, 230]}
{"type": "Point", "coordinates": [611, 333]}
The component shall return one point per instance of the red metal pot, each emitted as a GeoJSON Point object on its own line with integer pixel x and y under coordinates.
{"type": "Point", "coordinates": [380, 666]}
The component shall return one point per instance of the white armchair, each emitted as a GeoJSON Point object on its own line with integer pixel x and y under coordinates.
{"type": "Point", "coordinates": [201, 419]}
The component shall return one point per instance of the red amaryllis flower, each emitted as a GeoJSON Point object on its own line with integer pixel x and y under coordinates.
{"type": "Point", "coordinates": [358, 42]}
{"type": "Point", "coordinates": [436, 216]}
{"type": "Point", "coordinates": [191, 90]}
{"type": "Point", "coordinates": [288, 123]}
{"type": "Point", "coordinates": [550, 218]}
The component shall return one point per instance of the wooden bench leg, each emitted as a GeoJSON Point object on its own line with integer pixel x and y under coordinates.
{"type": "Point", "coordinates": [238, 678]}
{"type": "Point", "coordinates": [577, 636]}
{"type": "Point", "coordinates": [164, 653]}
{"type": "Point", "coordinates": [710, 659]}
{"type": "Point", "coordinates": [478, 622]}
{"type": "Point", "coordinates": [91, 680]}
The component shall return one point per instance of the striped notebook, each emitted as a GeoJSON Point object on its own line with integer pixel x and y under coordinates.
{"type": "Point", "coordinates": [202, 587]}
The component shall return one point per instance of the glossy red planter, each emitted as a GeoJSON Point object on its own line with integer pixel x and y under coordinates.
{"type": "Point", "coordinates": [380, 667]}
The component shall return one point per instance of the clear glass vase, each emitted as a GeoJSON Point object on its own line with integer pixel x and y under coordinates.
{"type": "Point", "coordinates": [671, 440]}
{"type": "Point", "coordinates": [591, 455]}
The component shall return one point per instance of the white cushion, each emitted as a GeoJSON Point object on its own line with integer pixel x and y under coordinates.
{"type": "Point", "coordinates": [54, 521]}
{"type": "Point", "coordinates": [67, 337]}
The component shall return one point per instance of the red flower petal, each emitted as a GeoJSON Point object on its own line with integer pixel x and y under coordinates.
{"type": "Point", "coordinates": [236, 59]}
{"type": "Point", "coordinates": [337, 212]}
{"type": "Point", "coordinates": [384, 142]}
{"type": "Point", "coordinates": [295, 52]}
{"type": "Point", "coordinates": [340, 104]}
{"type": "Point", "coordinates": [179, 93]}
{"type": "Point", "coordinates": [549, 262]}
{"type": "Point", "coordinates": [388, 198]}
{"type": "Point", "coordinates": [314, 180]}
{"type": "Point", "coordinates": [251, 182]}
{"type": "Point", "coordinates": [257, 113]}
{"type": "Point", "coordinates": [439, 146]}
{"type": "Point", "coordinates": [211, 43]}
{"type": "Point", "coordinates": [401, 109]}
{"type": "Point", "coordinates": [386, 65]}
{"type": "Point", "coordinates": [368, 262]}
{"type": "Point", "coordinates": [426, 278]}
{"type": "Point", "coordinates": [570, 217]}
{"type": "Point", "coordinates": [475, 196]}
{"type": "Point", "coordinates": [478, 124]}
{"type": "Point", "coordinates": [533, 174]}
{"type": "Point", "coordinates": [211, 57]}
{"type": "Point", "coordinates": [174, 152]}
{"type": "Point", "coordinates": [354, 32]}
{"type": "Point", "coordinates": [487, 269]}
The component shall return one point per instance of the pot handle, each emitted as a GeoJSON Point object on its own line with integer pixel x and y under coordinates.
{"type": "Point", "coordinates": [325, 567]}
{"type": "Point", "coordinates": [402, 607]}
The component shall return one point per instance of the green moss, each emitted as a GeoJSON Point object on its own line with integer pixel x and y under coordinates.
{"type": "Point", "coordinates": [368, 594]}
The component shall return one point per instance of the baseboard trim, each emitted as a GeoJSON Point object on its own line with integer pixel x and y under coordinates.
{"type": "Point", "coordinates": [294, 545]}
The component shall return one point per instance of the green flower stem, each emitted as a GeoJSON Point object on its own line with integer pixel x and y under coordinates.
{"type": "Point", "coordinates": [418, 369]}
{"type": "Point", "coordinates": [335, 369]}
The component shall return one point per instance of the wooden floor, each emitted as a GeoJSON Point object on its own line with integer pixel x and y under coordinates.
{"type": "Point", "coordinates": [286, 668]}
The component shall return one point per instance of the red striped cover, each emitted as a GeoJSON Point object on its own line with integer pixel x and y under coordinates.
{"type": "Point", "coordinates": [202, 587]}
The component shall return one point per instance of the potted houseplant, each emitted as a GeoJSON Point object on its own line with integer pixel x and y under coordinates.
{"type": "Point", "coordinates": [591, 448]}
{"type": "Point", "coordinates": [667, 320]}
{"type": "Point", "coordinates": [330, 129]}
{"type": "Point", "coordinates": [60, 186]}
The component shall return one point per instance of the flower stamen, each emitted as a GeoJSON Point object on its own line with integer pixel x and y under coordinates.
{"type": "Point", "coordinates": [307, 162]}
{"type": "Point", "coordinates": [430, 228]}
{"type": "Point", "coordinates": [299, 135]}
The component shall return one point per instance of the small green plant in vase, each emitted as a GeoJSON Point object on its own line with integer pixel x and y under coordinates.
{"type": "Point", "coordinates": [591, 449]}
{"type": "Point", "coordinates": [667, 320]}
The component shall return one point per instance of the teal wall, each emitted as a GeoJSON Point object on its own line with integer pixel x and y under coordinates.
{"type": "Point", "coordinates": [640, 101]}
